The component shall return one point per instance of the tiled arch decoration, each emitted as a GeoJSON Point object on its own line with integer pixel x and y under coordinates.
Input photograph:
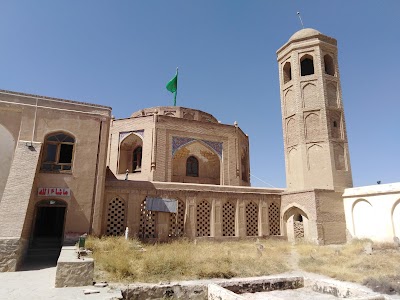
{"type": "Point", "coordinates": [251, 219]}
{"type": "Point", "coordinates": [177, 221]}
{"type": "Point", "coordinates": [179, 142]}
{"type": "Point", "coordinates": [116, 217]}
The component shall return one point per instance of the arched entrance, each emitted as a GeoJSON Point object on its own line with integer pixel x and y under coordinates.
{"type": "Point", "coordinates": [48, 231]}
{"type": "Point", "coordinates": [296, 224]}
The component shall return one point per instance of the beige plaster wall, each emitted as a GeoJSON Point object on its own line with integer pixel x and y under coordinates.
{"type": "Point", "coordinates": [89, 125]}
{"type": "Point", "coordinates": [373, 212]}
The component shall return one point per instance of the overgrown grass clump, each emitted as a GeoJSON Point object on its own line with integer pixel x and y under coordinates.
{"type": "Point", "coordinates": [128, 260]}
{"type": "Point", "coordinates": [351, 262]}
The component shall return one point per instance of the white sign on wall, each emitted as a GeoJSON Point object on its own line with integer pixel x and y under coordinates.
{"type": "Point", "coordinates": [54, 192]}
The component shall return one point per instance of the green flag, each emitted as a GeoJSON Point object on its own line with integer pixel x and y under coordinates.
{"type": "Point", "coordinates": [172, 86]}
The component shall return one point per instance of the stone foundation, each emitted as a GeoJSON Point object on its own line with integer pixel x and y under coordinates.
{"type": "Point", "coordinates": [72, 271]}
{"type": "Point", "coordinates": [12, 252]}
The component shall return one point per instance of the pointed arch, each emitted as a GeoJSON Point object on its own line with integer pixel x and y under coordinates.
{"type": "Point", "coordinates": [58, 152]}
{"type": "Point", "coordinates": [329, 65]}
{"type": "Point", "coordinates": [130, 153]}
{"type": "Point", "coordinates": [306, 65]}
{"type": "Point", "coordinates": [310, 96]}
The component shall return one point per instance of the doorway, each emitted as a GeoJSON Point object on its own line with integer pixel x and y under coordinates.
{"type": "Point", "coordinates": [49, 224]}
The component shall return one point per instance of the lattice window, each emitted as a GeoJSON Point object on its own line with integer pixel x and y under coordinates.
{"type": "Point", "coordinates": [177, 221]}
{"type": "Point", "coordinates": [203, 219]}
{"type": "Point", "coordinates": [228, 219]}
{"type": "Point", "coordinates": [252, 219]}
{"type": "Point", "coordinates": [147, 222]}
{"type": "Point", "coordinates": [116, 217]}
{"type": "Point", "coordinates": [298, 228]}
{"type": "Point", "coordinates": [274, 219]}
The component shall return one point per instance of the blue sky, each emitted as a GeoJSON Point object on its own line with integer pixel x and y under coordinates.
{"type": "Point", "coordinates": [122, 54]}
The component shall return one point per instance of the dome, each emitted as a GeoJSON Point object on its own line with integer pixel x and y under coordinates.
{"type": "Point", "coordinates": [304, 33]}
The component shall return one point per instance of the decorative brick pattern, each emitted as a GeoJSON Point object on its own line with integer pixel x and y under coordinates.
{"type": "Point", "coordinates": [177, 221]}
{"type": "Point", "coordinates": [147, 222]}
{"type": "Point", "coordinates": [203, 219]}
{"type": "Point", "coordinates": [274, 219]}
{"type": "Point", "coordinates": [116, 217]}
{"type": "Point", "coordinates": [252, 219]}
{"type": "Point", "coordinates": [298, 228]}
{"type": "Point", "coordinates": [228, 219]}
{"type": "Point", "coordinates": [179, 142]}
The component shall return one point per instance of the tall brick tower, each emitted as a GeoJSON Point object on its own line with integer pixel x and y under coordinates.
{"type": "Point", "coordinates": [314, 128]}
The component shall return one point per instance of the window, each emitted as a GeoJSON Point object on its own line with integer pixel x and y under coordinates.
{"type": "Point", "coordinates": [192, 167]}
{"type": "Point", "coordinates": [58, 150]}
{"type": "Point", "coordinates": [287, 72]}
{"type": "Point", "coordinates": [307, 65]}
{"type": "Point", "coordinates": [329, 66]}
{"type": "Point", "coordinates": [137, 159]}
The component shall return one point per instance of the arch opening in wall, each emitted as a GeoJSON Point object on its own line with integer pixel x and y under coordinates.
{"type": "Point", "coordinates": [335, 129]}
{"type": "Point", "coordinates": [228, 219]}
{"type": "Point", "coordinates": [147, 228]}
{"type": "Point", "coordinates": [274, 219]}
{"type": "Point", "coordinates": [307, 65]}
{"type": "Point", "coordinates": [251, 219]}
{"type": "Point", "coordinates": [58, 153]}
{"type": "Point", "coordinates": [130, 154]}
{"type": "Point", "coordinates": [7, 147]}
{"type": "Point", "coordinates": [363, 219]}
{"type": "Point", "coordinates": [192, 166]}
{"type": "Point", "coordinates": [203, 213]}
{"type": "Point", "coordinates": [177, 221]}
{"type": "Point", "coordinates": [196, 162]}
{"type": "Point", "coordinates": [49, 223]}
{"type": "Point", "coordinates": [116, 217]}
{"type": "Point", "coordinates": [329, 65]}
{"type": "Point", "coordinates": [287, 72]}
{"type": "Point", "coordinates": [296, 224]}
{"type": "Point", "coordinates": [244, 160]}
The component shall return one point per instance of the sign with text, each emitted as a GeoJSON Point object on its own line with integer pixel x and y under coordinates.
{"type": "Point", "coordinates": [54, 192]}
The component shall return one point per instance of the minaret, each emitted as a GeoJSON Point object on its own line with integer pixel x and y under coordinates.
{"type": "Point", "coordinates": [314, 128]}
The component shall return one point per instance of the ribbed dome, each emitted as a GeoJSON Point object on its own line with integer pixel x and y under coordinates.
{"type": "Point", "coordinates": [304, 33]}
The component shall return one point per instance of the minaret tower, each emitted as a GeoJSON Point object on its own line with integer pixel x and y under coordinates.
{"type": "Point", "coordinates": [314, 128]}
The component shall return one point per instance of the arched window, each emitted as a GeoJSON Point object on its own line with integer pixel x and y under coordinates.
{"type": "Point", "coordinates": [137, 159]}
{"type": "Point", "coordinates": [307, 65]}
{"type": "Point", "coordinates": [58, 152]}
{"type": "Point", "coordinates": [287, 72]}
{"type": "Point", "coordinates": [192, 167]}
{"type": "Point", "coordinates": [329, 66]}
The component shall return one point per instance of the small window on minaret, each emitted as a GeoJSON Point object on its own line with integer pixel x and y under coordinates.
{"type": "Point", "coordinates": [307, 65]}
{"type": "Point", "coordinates": [334, 124]}
{"type": "Point", "coordinates": [329, 66]}
{"type": "Point", "coordinates": [287, 72]}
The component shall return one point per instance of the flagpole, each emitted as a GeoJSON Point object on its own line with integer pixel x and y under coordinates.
{"type": "Point", "coordinates": [176, 92]}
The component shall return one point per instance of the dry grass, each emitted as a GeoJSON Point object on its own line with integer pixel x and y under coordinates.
{"type": "Point", "coordinates": [350, 263]}
{"type": "Point", "coordinates": [121, 260]}
{"type": "Point", "coordinates": [118, 259]}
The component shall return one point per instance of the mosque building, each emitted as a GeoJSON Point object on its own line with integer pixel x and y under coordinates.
{"type": "Point", "coordinates": [69, 168]}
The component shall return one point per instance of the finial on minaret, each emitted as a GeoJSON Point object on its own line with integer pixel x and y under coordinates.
{"type": "Point", "coordinates": [301, 21]}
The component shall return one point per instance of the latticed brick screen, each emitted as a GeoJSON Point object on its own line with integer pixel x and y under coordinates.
{"type": "Point", "coordinates": [147, 222]}
{"type": "Point", "coordinates": [274, 219]}
{"type": "Point", "coordinates": [228, 219]}
{"type": "Point", "coordinates": [298, 228]}
{"type": "Point", "coordinates": [252, 219]}
{"type": "Point", "coordinates": [176, 222]}
{"type": "Point", "coordinates": [116, 217]}
{"type": "Point", "coordinates": [203, 219]}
